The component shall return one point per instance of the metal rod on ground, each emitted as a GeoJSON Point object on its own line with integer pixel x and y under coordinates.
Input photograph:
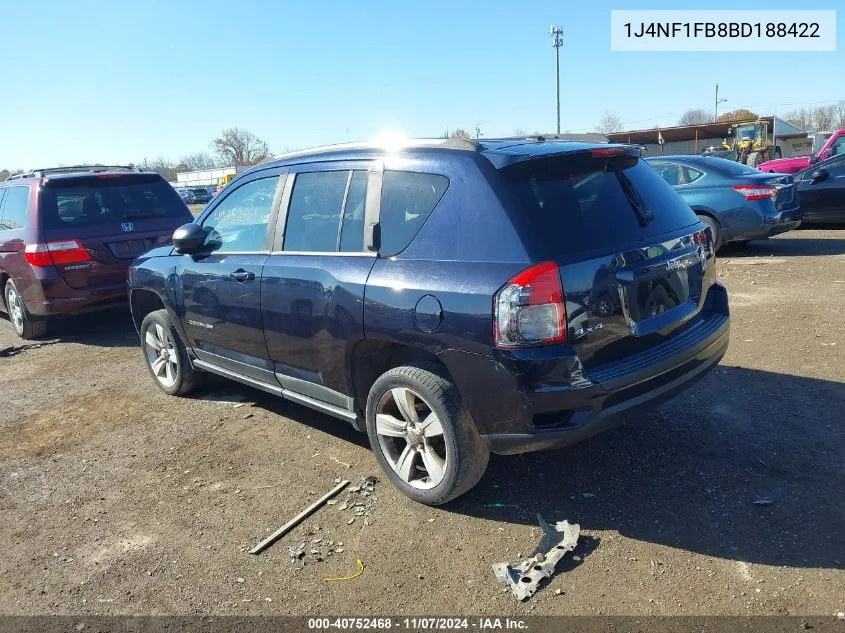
{"type": "Point", "coordinates": [287, 527]}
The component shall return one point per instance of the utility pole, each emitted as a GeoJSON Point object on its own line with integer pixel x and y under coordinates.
{"type": "Point", "coordinates": [718, 101]}
{"type": "Point", "coordinates": [557, 41]}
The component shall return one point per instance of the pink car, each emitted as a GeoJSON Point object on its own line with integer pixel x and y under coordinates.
{"type": "Point", "coordinates": [833, 146]}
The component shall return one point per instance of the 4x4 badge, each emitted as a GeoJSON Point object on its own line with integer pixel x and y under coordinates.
{"type": "Point", "coordinates": [127, 226]}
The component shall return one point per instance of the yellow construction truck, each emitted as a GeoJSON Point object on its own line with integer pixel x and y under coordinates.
{"type": "Point", "coordinates": [751, 144]}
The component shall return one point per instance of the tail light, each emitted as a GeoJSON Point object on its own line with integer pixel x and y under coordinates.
{"type": "Point", "coordinates": [529, 309]}
{"type": "Point", "coordinates": [700, 237]}
{"type": "Point", "coordinates": [56, 253]}
{"type": "Point", "coordinates": [756, 192]}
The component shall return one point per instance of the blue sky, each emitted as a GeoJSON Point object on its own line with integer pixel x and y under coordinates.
{"type": "Point", "coordinates": [121, 81]}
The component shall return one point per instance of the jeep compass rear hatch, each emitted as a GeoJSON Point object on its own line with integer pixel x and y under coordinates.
{"type": "Point", "coordinates": [94, 226]}
{"type": "Point", "coordinates": [632, 257]}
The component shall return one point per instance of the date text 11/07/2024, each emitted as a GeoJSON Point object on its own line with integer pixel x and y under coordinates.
{"type": "Point", "coordinates": [723, 29]}
{"type": "Point", "coordinates": [416, 624]}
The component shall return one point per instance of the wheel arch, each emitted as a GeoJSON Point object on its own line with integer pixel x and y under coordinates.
{"type": "Point", "coordinates": [369, 359]}
{"type": "Point", "coordinates": [143, 301]}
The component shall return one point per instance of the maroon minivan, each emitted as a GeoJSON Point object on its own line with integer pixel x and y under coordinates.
{"type": "Point", "coordinates": [68, 235]}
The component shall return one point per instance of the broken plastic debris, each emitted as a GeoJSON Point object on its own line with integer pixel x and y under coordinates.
{"type": "Point", "coordinates": [523, 578]}
{"type": "Point", "coordinates": [763, 501]}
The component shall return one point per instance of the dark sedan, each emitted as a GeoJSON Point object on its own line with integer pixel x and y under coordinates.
{"type": "Point", "coordinates": [821, 189]}
{"type": "Point", "coordinates": [738, 202]}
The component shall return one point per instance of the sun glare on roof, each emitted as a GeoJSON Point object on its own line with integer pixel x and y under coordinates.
{"type": "Point", "coordinates": [391, 140]}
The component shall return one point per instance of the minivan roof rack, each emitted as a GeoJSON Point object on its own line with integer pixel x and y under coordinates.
{"type": "Point", "coordinates": [45, 171]}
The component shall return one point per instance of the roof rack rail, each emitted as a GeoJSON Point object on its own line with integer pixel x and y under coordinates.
{"type": "Point", "coordinates": [400, 143]}
{"type": "Point", "coordinates": [45, 171]}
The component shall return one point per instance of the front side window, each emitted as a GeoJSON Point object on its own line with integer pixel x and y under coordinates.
{"type": "Point", "coordinates": [239, 222]}
{"type": "Point", "coordinates": [407, 199]}
{"type": "Point", "coordinates": [14, 207]}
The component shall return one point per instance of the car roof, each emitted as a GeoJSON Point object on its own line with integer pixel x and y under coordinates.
{"type": "Point", "coordinates": [501, 152]}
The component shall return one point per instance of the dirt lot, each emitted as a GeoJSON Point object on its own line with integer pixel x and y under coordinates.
{"type": "Point", "coordinates": [117, 499]}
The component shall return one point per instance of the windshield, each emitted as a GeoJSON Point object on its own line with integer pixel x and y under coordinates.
{"type": "Point", "coordinates": [99, 200]}
{"type": "Point", "coordinates": [584, 203]}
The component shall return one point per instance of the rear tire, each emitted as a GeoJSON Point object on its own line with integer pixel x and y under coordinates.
{"type": "Point", "coordinates": [422, 435]}
{"type": "Point", "coordinates": [26, 326]}
{"type": "Point", "coordinates": [715, 230]}
{"type": "Point", "coordinates": [166, 356]}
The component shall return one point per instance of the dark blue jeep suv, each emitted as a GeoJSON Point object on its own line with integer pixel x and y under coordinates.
{"type": "Point", "coordinates": [448, 297]}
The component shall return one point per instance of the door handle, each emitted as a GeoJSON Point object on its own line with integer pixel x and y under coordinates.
{"type": "Point", "coordinates": [241, 275]}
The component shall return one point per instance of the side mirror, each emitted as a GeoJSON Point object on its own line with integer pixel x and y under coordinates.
{"type": "Point", "coordinates": [818, 176]}
{"type": "Point", "coordinates": [189, 239]}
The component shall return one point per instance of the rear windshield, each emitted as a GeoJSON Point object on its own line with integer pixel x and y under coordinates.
{"type": "Point", "coordinates": [585, 203]}
{"type": "Point", "coordinates": [729, 167]}
{"type": "Point", "coordinates": [101, 200]}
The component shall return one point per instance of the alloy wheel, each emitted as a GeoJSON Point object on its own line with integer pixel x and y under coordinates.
{"type": "Point", "coordinates": [161, 355]}
{"type": "Point", "coordinates": [410, 435]}
{"type": "Point", "coordinates": [15, 308]}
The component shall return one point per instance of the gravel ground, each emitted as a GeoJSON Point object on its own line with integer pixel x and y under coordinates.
{"type": "Point", "coordinates": [117, 499]}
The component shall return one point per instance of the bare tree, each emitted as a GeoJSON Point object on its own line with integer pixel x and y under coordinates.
{"type": "Point", "coordinates": [199, 160]}
{"type": "Point", "coordinates": [460, 133]}
{"type": "Point", "coordinates": [5, 173]}
{"type": "Point", "coordinates": [802, 118]}
{"type": "Point", "coordinates": [609, 123]}
{"type": "Point", "coordinates": [239, 147]}
{"type": "Point", "coordinates": [824, 118]}
{"type": "Point", "coordinates": [695, 117]}
{"type": "Point", "coordinates": [162, 166]}
{"type": "Point", "coordinates": [518, 131]}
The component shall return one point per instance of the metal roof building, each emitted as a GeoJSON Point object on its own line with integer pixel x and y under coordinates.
{"type": "Point", "coordinates": [693, 139]}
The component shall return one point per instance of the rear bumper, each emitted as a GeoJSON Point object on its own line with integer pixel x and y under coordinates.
{"type": "Point", "coordinates": [51, 296]}
{"type": "Point", "coordinates": [766, 224]}
{"type": "Point", "coordinates": [623, 404]}
{"type": "Point", "coordinates": [552, 401]}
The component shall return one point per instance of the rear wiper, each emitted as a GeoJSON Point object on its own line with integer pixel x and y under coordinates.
{"type": "Point", "coordinates": [644, 216]}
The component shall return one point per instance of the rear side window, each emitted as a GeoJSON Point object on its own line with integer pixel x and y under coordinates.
{"type": "Point", "coordinates": [109, 199]}
{"type": "Point", "coordinates": [352, 229]}
{"type": "Point", "coordinates": [314, 222]}
{"type": "Point", "coordinates": [407, 199]}
{"type": "Point", "coordinates": [580, 202]}
{"type": "Point", "coordinates": [14, 207]}
{"type": "Point", "coordinates": [313, 219]}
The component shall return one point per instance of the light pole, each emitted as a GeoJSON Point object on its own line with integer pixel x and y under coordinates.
{"type": "Point", "coordinates": [557, 41]}
{"type": "Point", "coordinates": [718, 101]}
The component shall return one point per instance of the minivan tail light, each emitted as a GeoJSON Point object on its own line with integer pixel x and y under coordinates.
{"type": "Point", "coordinates": [56, 253]}
{"type": "Point", "coordinates": [756, 192]}
{"type": "Point", "coordinates": [529, 309]}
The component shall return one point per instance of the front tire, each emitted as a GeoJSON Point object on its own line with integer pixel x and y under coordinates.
{"type": "Point", "coordinates": [166, 356]}
{"type": "Point", "coordinates": [422, 434]}
{"type": "Point", "coordinates": [26, 326]}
